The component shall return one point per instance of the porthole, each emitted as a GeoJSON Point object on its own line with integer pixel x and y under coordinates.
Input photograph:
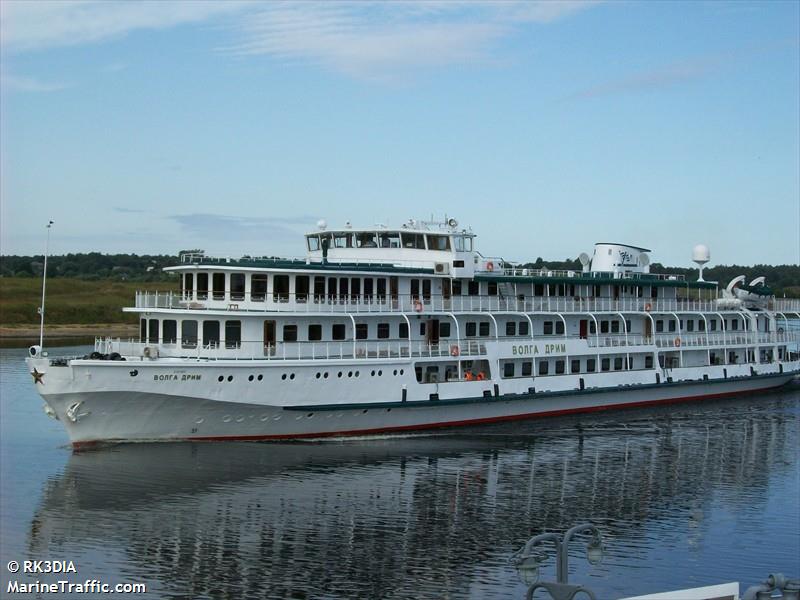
{"type": "Point", "coordinates": [319, 375]}
{"type": "Point", "coordinates": [394, 372]}
{"type": "Point", "coordinates": [339, 375]}
{"type": "Point", "coordinates": [388, 410]}
{"type": "Point", "coordinates": [250, 378]}
{"type": "Point", "coordinates": [283, 376]}
{"type": "Point", "coordinates": [358, 373]}
{"type": "Point", "coordinates": [199, 420]}
{"type": "Point", "coordinates": [230, 377]}
{"type": "Point", "coordinates": [325, 375]}
{"type": "Point", "coordinates": [349, 373]}
{"type": "Point", "coordinates": [365, 411]}
{"type": "Point", "coordinates": [239, 419]}
{"type": "Point", "coordinates": [291, 376]}
{"type": "Point", "coordinates": [309, 415]}
{"type": "Point", "coordinates": [264, 417]}
{"type": "Point", "coordinates": [276, 418]}
{"type": "Point", "coordinates": [380, 373]}
{"type": "Point", "coordinates": [260, 377]}
{"type": "Point", "coordinates": [220, 378]}
{"type": "Point", "coordinates": [226, 419]}
{"type": "Point", "coordinates": [401, 371]}
{"type": "Point", "coordinates": [372, 374]}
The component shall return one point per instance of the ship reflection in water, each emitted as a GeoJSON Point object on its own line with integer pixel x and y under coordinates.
{"type": "Point", "coordinates": [684, 496]}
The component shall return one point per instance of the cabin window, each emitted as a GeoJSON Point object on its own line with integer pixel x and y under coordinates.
{"type": "Point", "coordinates": [280, 288]}
{"type": "Point", "coordinates": [258, 288]}
{"type": "Point", "coordinates": [218, 281]}
{"type": "Point", "coordinates": [366, 239]}
{"type": "Point", "coordinates": [368, 289]}
{"type": "Point", "coordinates": [523, 328]}
{"type": "Point", "coordinates": [603, 326]}
{"type": "Point", "coordinates": [233, 334]}
{"type": "Point", "coordinates": [543, 367]}
{"type": "Point", "coordinates": [659, 326]}
{"type": "Point", "coordinates": [438, 242]}
{"type": "Point", "coordinates": [538, 289]}
{"type": "Point", "coordinates": [575, 366]}
{"type": "Point", "coordinates": [491, 288]}
{"type": "Point", "coordinates": [413, 240]}
{"type": "Point", "coordinates": [614, 326]}
{"type": "Point", "coordinates": [383, 331]}
{"type": "Point", "coordinates": [188, 283]}
{"type": "Point", "coordinates": [143, 330]}
{"type": "Point", "coordinates": [331, 289]}
{"type": "Point", "coordinates": [170, 331]}
{"type": "Point", "coordinates": [444, 330]}
{"type": "Point", "coordinates": [690, 325]}
{"type": "Point", "coordinates": [313, 243]}
{"type": "Point", "coordinates": [458, 264]}
{"type": "Point", "coordinates": [153, 332]}
{"type": "Point", "coordinates": [314, 332]}
{"type": "Point", "coordinates": [483, 329]}
{"type": "Point", "coordinates": [344, 288]}
{"type": "Point", "coordinates": [605, 364]}
{"type": "Point", "coordinates": [355, 288]}
{"type": "Point", "coordinates": [415, 289]}
{"type": "Point", "coordinates": [654, 292]}
{"type": "Point", "coordinates": [592, 327]}
{"type": "Point", "coordinates": [342, 240]}
{"type": "Point", "coordinates": [547, 328]}
{"type": "Point", "coordinates": [560, 367]}
{"type": "Point", "coordinates": [701, 325]}
{"type": "Point", "coordinates": [381, 289]}
{"type": "Point", "coordinates": [471, 329]}
{"type": "Point", "coordinates": [672, 326]}
{"type": "Point", "coordinates": [474, 288]}
{"type": "Point", "coordinates": [559, 327]}
{"type": "Point", "coordinates": [456, 287]}
{"type": "Point", "coordinates": [211, 333]}
{"type": "Point", "coordinates": [508, 369]}
{"type": "Point", "coordinates": [362, 331]}
{"type": "Point", "coordinates": [426, 290]}
{"type": "Point", "coordinates": [237, 286]}
{"type": "Point", "coordinates": [301, 288]}
{"type": "Point", "coordinates": [618, 364]}
{"type": "Point", "coordinates": [591, 365]}
{"type": "Point", "coordinates": [712, 324]}
{"type": "Point", "coordinates": [511, 328]}
{"type": "Point", "coordinates": [403, 331]}
{"type": "Point", "coordinates": [527, 368]}
{"type": "Point", "coordinates": [648, 361]}
{"type": "Point", "coordinates": [627, 326]}
{"type": "Point", "coordinates": [319, 289]}
{"type": "Point", "coordinates": [389, 239]}
{"type": "Point", "coordinates": [290, 333]}
{"type": "Point", "coordinates": [734, 325]}
{"type": "Point", "coordinates": [337, 331]}
{"type": "Point", "coordinates": [202, 286]}
{"type": "Point", "coordinates": [189, 333]}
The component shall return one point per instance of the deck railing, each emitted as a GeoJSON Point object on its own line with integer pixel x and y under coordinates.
{"type": "Point", "coordinates": [358, 303]}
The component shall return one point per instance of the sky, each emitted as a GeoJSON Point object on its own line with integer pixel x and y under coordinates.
{"type": "Point", "coordinates": [152, 127]}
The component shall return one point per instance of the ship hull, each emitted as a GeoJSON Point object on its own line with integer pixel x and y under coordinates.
{"type": "Point", "coordinates": [128, 416]}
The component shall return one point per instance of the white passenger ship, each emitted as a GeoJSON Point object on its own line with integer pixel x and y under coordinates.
{"type": "Point", "coordinates": [394, 329]}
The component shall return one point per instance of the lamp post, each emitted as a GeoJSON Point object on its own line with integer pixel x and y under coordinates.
{"type": "Point", "coordinates": [528, 561]}
{"type": "Point", "coordinates": [44, 285]}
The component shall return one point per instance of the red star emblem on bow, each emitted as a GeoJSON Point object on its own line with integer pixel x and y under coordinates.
{"type": "Point", "coordinates": [37, 377]}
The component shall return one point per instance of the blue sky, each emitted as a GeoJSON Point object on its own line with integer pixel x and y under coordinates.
{"type": "Point", "coordinates": [546, 126]}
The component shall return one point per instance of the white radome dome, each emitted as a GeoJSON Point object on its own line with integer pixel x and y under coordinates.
{"type": "Point", "coordinates": [701, 253]}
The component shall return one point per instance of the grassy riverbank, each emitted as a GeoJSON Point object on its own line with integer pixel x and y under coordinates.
{"type": "Point", "coordinates": [74, 308]}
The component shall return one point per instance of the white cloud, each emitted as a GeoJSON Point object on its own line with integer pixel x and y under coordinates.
{"type": "Point", "coordinates": [29, 84]}
{"type": "Point", "coordinates": [26, 25]}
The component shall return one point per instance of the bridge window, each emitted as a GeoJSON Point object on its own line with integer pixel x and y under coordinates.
{"type": "Point", "coordinates": [463, 243]}
{"type": "Point", "coordinates": [170, 327]}
{"type": "Point", "coordinates": [233, 334]}
{"type": "Point", "coordinates": [258, 287]}
{"type": "Point", "coordinates": [366, 240]}
{"type": "Point", "coordinates": [389, 239]}
{"type": "Point", "coordinates": [314, 333]}
{"type": "Point", "coordinates": [313, 242]}
{"type": "Point", "coordinates": [439, 242]}
{"type": "Point", "coordinates": [413, 240]}
{"type": "Point", "coordinates": [342, 240]}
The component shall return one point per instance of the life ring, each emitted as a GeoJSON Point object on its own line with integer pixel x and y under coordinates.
{"type": "Point", "coordinates": [490, 266]}
{"type": "Point", "coordinates": [648, 307]}
{"type": "Point", "coordinates": [454, 351]}
{"type": "Point", "coordinates": [677, 342]}
{"type": "Point", "coordinates": [417, 306]}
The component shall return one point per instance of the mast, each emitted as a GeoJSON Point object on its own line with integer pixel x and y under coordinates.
{"type": "Point", "coordinates": [44, 285]}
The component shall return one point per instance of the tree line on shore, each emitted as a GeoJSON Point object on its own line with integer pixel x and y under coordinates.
{"type": "Point", "coordinates": [783, 279]}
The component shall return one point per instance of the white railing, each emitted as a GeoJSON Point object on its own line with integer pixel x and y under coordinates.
{"type": "Point", "coordinates": [292, 350]}
{"type": "Point", "coordinates": [692, 340]}
{"type": "Point", "coordinates": [349, 303]}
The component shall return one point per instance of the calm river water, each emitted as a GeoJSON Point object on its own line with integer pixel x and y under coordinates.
{"type": "Point", "coordinates": [685, 496]}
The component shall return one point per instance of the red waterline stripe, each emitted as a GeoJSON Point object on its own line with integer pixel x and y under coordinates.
{"type": "Point", "coordinates": [444, 424]}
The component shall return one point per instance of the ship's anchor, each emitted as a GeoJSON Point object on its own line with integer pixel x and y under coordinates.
{"type": "Point", "coordinates": [72, 412]}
